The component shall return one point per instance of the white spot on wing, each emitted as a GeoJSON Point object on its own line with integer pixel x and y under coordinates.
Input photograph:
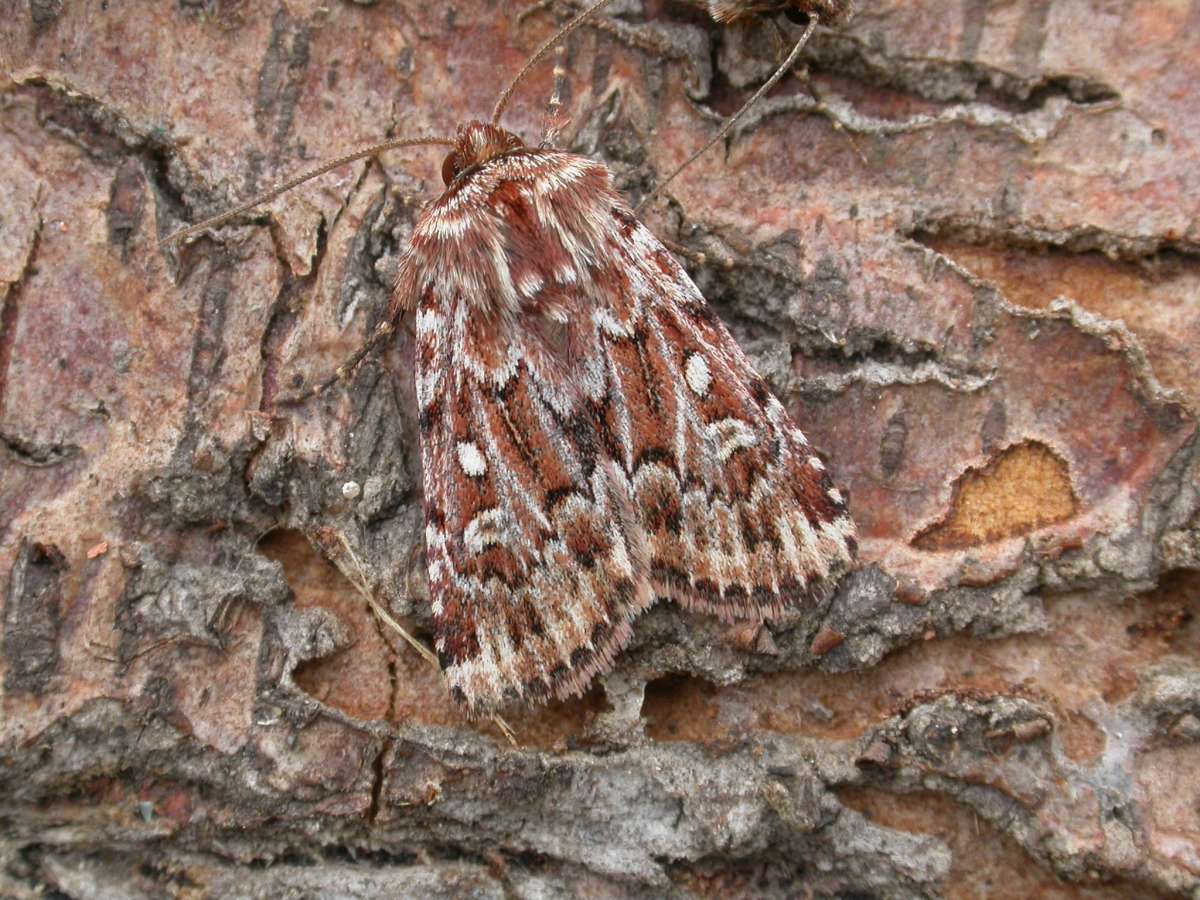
{"type": "Point", "coordinates": [471, 460]}
{"type": "Point", "coordinates": [699, 378]}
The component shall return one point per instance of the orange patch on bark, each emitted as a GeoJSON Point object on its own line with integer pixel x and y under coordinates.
{"type": "Point", "coordinates": [1026, 487]}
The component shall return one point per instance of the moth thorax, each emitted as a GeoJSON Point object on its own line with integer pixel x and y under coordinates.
{"type": "Point", "coordinates": [477, 142]}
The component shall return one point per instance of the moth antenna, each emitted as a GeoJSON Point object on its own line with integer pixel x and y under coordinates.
{"type": "Point", "coordinates": [370, 150]}
{"type": "Point", "coordinates": [502, 103]}
{"type": "Point", "coordinates": [358, 578]}
{"type": "Point", "coordinates": [554, 120]}
{"type": "Point", "coordinates": [813, 20]}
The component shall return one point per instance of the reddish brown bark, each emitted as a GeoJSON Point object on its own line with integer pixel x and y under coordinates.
{"type": "Point", "coordinates": [970, 269]}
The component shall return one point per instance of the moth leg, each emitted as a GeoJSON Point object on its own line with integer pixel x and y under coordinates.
{"type": "Point", "coordinates": [350, 365]}
{"type": "Point", "coordinates": [699, 257]}
{"type": "Point", "coordinates": [810, 85]}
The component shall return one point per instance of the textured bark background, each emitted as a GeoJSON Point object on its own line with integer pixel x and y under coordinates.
{"type": "Point", "coordinates": [964, 252]}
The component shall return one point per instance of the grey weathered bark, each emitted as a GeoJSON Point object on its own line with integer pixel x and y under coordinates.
{"type": "Point", "coordinates": [964, 252]}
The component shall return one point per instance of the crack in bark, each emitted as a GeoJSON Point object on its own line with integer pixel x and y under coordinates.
{"type": "Point", "coordinates": [36, 455]}
{"type": "Point", "coordinates": [882, 374]}
{"type": "Point", "coordinates": [946, 79]}
{"type": "Point", "coordinates": [1032, 127]}
{"type": "Point", "coordinates": [1152, 252]}
{"type": "Point", "coordinates": [377, 780]}
{"type": "Point", "coordinates": [10, 305]}
{"type": "Point", "coordinates": [281, 78]}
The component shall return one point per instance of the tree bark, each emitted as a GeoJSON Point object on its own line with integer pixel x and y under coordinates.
{"type": "Point", "coordinates": [962, 247]}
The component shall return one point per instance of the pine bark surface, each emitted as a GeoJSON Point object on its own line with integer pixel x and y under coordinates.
{"type": "Point", "coordinates": [961, 246]}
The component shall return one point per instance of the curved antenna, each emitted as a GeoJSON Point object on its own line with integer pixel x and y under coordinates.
{"type": "Point", "coordinates": [541, 52]}
{"type": "Point", "coordinates": [370, 150]}
{"type": "Point", "coordinates": [770, 83]}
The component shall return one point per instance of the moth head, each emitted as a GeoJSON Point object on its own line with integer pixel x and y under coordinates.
{"type": "Point", "coordinates": [477, 142]}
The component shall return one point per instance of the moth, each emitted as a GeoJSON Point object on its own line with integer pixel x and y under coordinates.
{"type": "Point", "coordinates": [593, 440]}
{"type": "Point", "coordinates": [830, 12]}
